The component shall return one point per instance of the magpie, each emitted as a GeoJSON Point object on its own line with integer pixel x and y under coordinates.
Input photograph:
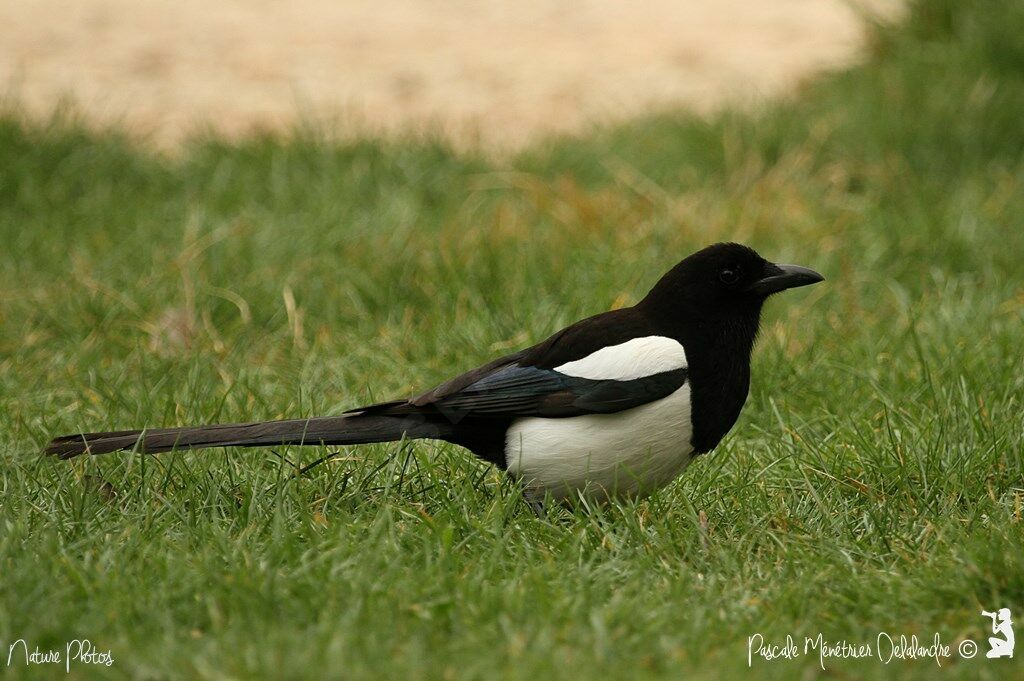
{"type": "Point", "coordinates": [614, 405]}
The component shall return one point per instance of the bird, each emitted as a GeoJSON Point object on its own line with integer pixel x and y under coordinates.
{"type": "Point", "coordinates": [613, 406]}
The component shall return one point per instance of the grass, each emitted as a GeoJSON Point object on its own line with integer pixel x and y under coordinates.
{"type": "Point", "coordinates": [874, 482]}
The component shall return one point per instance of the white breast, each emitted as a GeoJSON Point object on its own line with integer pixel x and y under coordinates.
{"type": "Point", "coordinates": [628, 453]}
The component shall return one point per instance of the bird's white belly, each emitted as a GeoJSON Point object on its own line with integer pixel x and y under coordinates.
{"type": "Point", "coordinates": [629, 453]}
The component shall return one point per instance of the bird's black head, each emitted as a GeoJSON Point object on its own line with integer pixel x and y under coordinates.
{"type": "Point", "coordinates": [724, 282]}
{"type": "Point", "coordinates": [711, 302]}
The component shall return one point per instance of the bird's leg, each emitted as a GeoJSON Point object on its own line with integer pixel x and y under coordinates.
{"type": "Point", "coordinates": [536, 505]}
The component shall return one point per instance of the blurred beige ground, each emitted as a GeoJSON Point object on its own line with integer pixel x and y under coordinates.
{"type": "Point", "coordinates": [501, 70]}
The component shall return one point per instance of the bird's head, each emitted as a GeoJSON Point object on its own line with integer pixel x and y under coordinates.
{"type": "Point", "coordinates": [724, 281]}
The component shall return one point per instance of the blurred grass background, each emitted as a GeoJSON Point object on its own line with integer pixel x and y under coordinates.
{"type": "Point", "coordinates": [874, 483]}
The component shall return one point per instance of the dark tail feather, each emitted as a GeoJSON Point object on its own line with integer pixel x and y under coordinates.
{"type": "Point", "coordinates": [349, 429]}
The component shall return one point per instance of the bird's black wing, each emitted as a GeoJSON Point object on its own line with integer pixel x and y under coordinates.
{"type": "Point", "coordinates": [527, 384]}
{"type": "Point", "coordinates": [517, 390]}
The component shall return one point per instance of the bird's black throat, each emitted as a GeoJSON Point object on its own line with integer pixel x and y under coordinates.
{"type": "Point", "coordinates": [719, 379]}
{"type": "Point", "coordinates": [718, 346]}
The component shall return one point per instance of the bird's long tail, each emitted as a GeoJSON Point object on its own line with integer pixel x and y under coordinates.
{"type": "Point", "coordinates": [348, 429]}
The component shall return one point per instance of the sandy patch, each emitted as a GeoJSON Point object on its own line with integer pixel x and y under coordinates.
{"type": "Point", "coordinates": [502, 70]}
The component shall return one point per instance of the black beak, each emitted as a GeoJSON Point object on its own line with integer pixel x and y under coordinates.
{"type": "Point", "coordinates": [781, 277]}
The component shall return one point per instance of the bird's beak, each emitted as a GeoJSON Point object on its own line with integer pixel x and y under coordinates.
{"type": "Point", "coordinates": [781, 277]}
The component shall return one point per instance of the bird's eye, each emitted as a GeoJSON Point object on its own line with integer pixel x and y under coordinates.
{"type": "Point", "coordinates": [729, 276]}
